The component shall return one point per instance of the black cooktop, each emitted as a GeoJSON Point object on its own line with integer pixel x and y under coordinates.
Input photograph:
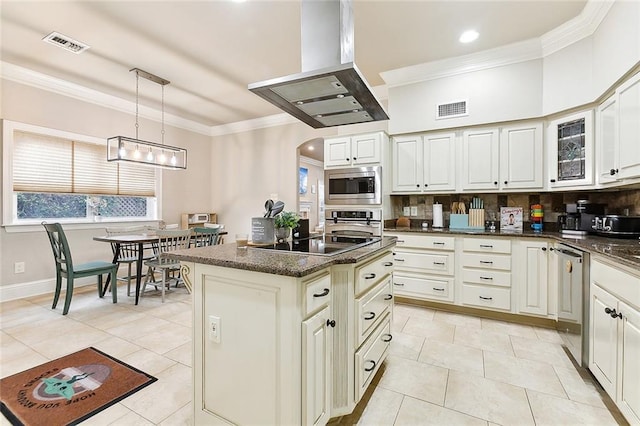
{"type": "Point", "coordinates": [323, 244]}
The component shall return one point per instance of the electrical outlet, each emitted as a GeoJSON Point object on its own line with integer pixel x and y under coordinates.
{"type": "Point", "coordinates": [406, 211]}
{"type": "Point", "coordinates": [414, 210]}
{"type": "Point", "coordinates": [214, 329]}
{"type": "Point", "coordinates": [18, 268]}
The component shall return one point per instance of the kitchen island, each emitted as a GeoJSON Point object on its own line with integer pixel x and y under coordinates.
{"type": "Point", "coordinates": [286, 338]}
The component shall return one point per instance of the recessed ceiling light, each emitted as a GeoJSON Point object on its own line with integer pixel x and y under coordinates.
{"type": "Point", "coordinates": [468, 36]}
{"type": "Point", "coordinates": [311, 148]}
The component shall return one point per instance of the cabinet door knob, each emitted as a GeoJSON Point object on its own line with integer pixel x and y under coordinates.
{"type": "Point", "coordinates": [505, 182]}
{"type": "Point", "coordinates": [418, 186]}
{"type": "Point", "coordinates": [354, 158]}
{"type": "Point", "coordinates": [552, 181]}
{"type": "Point", "coordinates": [544, 249]}
{"type": "Point", "coordinates": [331, 323]}
{"type": "Point", "coordinates": [613, 313]}
{"type": "Point", "coordinates": [347, 159]}
{"type": "Point", "coordinates": [495, 182]}
{"type": "Point", "coordinates": [426, 184]}
{"type": "Point", "coordinates": [613, 171]}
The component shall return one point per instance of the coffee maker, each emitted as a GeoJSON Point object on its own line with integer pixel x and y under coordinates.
{"type": "Point", "coordinates": [580, 217]}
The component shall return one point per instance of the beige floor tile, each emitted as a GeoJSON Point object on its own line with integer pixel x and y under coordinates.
{"type": "Point", "coordinates": [548, 335]}
{"type": "Point", "coordinates": [413, 378]}
{"type": "Point", "coordinates": [487, 399]}
{"type": "Point", "coordinates": [142, 327]}
{"type": "Point", "coordinates": [108, 416]}
{"type": "Point", "coordinates": [398, 322]}
{"type": "Point", "coordinates": [413, 311]}
{"type": "Point", "coordinates": [165, 339]}
{"type": "Point", "coordinates": [131, 419]}
{"type": "Point", "coordinates": [148, 361]}
{"type": "Point", "coordinates": [483, 339]}
{"type": "Point", "coordinates": [15, 356]}
{"type": "Point", "coordinates": [108, 317]}
{"type": "Point", "coordinates": [509, 328]}
{"type": "Point", "coordinates": [457, 319]}
{"type": "Point", "coordinates": [432, 330]}
{"type": "Point", "coordinates": [525, 373]}
{"type": "Point", "coordinates": [181, 354]}
{"type": "Point", "coordinates": [17, 312]}
{"type": "Point", "coordinates": [83, 337]}
{"type": "Point", "coordinates": [116, 347]}
{"type": "Point", "coordinates": [538, 350]}
{"type": "Point", "coordinates": [552, 411]}
{"type": "Point", "coordinates": [382, 408]}
{"type": "Point", "coordinates": [580, 387]}
{"type": "Point", "coordinates": [406, 345]}
{"type": "Point", "coordinates": [452, 356]}
{"type": "Point", "coordinates": [416, 412]}
{"type": "Point", "coordinates": [182, 417]}
{"type": "Point", "coordinates": [161, 399]}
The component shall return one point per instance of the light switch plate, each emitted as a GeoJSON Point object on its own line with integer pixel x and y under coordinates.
{"type": "Point", "coordinates": [414, 210]}
{"type": "Point", "coordinates": [214, 329]}
{"type": "Point", "coordinates": [406, 211]}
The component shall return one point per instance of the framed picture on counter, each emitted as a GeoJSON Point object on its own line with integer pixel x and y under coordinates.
{"type": "Point", "coordinates": [511, 219]}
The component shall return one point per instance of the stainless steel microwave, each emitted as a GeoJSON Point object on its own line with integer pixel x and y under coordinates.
{"type": "Point", "coordinates": [355, 185]}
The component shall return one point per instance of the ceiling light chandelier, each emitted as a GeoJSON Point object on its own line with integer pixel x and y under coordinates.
{"type": "Point", "coordinates": [122, 148]}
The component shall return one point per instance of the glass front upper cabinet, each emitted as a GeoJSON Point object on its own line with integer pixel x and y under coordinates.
{"type": "Point", "coordinates": [571, 150]}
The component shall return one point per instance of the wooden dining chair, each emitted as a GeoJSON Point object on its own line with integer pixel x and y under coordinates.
{"type": "Point", "coordinates": [168, 240]}
{"type": "Point", "coordinates": [206, 236]}
{"type": "Point", "coordinates": [128, 253]}
{"type": "Point", "coordinates": [65, 267]}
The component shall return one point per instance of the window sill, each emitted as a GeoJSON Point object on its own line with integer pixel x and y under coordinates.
{"type": "Point", "coordinates": [75, 225]}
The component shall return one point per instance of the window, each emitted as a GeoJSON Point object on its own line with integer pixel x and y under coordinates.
{"type": "Point", "coordinates": [57, 175]}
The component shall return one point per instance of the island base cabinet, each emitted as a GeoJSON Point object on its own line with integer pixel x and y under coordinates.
{"type": "Point", "coordinates": [370, 356]}
{"type": "Point", "coordinates": [316, 362]}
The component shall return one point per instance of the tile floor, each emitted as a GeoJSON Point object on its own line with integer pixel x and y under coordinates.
{"type": "Point", "coordinates": [443, 368]}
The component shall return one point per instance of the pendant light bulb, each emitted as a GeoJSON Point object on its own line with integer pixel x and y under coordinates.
{"type": "Point", "coordinates": [163, 157]}
{"type": "Point", "coordinates": [122, 151]}
{"type": "Point", "coordinates": [150, 155]}
{"type": "Point", "coordinates": [174, 160]}
{"type": "Point", "coordinates": [136, 153]}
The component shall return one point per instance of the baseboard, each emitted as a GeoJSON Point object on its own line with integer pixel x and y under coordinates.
{"type": "Point", "coordinates": [36, 288]}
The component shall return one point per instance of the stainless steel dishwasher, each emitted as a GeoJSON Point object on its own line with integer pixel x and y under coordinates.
{"type": "Point", "coordinates": [573, 301]}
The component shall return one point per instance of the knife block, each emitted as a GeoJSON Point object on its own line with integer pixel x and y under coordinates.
{"type": "Point", "coordinates": [458, 221]}
{"type": "Point", "coordinates": [476, 218]}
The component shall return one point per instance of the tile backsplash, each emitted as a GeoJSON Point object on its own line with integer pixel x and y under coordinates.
{"type": "Point", "coordinates": [553, 203]}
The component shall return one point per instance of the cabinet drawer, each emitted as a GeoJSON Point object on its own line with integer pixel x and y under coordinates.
{"type": "Point", "coordinates": [441, 263]}
{"type": "Point", "coordinates": [371, 307]}
{"type": "Point", "coordinates": [317, 293]}
{"type": "Point", "coordinates": [617, 281]}
{"type": "Point", "coordinates": [423, 287]}
{"type": "Point", "coordinates": [372, 272]}
{"type": "Point", "coordinates": [430, 242]}
{"type": "Point", "coordinates": [479, 276]}
{"type": "Point", "coordinates": [488, 261]}
{"type": "Point", "coordinates": [486, 297]}
{"type": "Point", "coordinates": [370, 356]}
{"type": "Point", "coordinates": [487, 245]}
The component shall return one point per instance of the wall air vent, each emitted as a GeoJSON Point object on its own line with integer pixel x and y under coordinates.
{"type": "Point", "coordinates": [66, 43]}
{"type": "Point", "coordinates": [451, 110]}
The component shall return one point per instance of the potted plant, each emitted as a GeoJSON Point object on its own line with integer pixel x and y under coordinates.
{"type": "Point", "coordinates": [283, 224]}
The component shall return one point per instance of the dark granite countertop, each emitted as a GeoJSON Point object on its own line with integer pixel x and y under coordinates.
{"type": "Point", "coordinates": [292, 264]}
{"type": "Point", "coordinates": [624, 251]}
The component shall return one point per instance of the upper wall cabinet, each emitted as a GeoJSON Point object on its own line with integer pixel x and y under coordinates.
{"type": "Point", "coordinates": [506, 159]}
{"type": "Point", "coordinates": [357, 150]}
{"type": "Point", "coordinates": [618, 124]}
{"type": "Point", "coordinates": [424, 163]}
{"type": "Point", "coordinates": [570, 150]}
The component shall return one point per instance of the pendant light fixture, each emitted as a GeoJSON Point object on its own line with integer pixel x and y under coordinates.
{"type": "Point", "coordinates": [122, 148]}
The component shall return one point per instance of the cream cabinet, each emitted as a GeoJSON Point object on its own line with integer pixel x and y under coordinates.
{"type": "Point", "coordinates": [570, 151]}
{"type": "Point", "coordinates": [316, 367]}
{"type": "Point", "coordinates": [532, 269]}
{"type": "Point", "coordinates": [356, 150]}
{"type": "Point", "coordinates": [614, 335]}
{"type": "Point", "coordinates": [618, 134]}
{"type": "Point", "coordinates": [424, 163]}
{"type": "Point", "coordinates": [486, 268]}
{"type": "Point", "coordinates": [503, 159]}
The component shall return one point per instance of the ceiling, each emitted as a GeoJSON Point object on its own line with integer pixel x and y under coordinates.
{"type": "Point", "coordinates": [211, 50]}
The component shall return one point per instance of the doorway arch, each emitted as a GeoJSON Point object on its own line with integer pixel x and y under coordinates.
{"type": "Point", "coordinates": [310, 197]}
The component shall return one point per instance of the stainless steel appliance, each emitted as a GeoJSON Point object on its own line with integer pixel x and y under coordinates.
{"type": "Point", "coordinates": [580, 217]}
{"type": "Point", "coordinates": [617, 226]}
{"type": "Point", "coordinates": [359, 222]}
{"type": "Point", "coordinates": [573, 301]}
{"type": "Point", "coordinates": [355, 185]}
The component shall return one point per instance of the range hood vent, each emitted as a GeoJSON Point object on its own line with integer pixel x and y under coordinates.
{"type": "Point", "coordinates": [330, 90]}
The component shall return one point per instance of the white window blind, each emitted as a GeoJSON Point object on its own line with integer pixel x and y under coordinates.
{"type": "Point", "coordinates": [49, 164]}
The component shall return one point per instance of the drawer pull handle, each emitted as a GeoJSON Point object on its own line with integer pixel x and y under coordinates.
{"type": "Point", "coordinates": [323, 294]}
{"type": "Point", "coordinates": [399, 260]}
{"type": "Point", "coordinates": [372, 367]}
{"type": "Point", "coordinates": [399, 241]}
{"type": "Point", "coordinates": [399, 284]}
{"type": "Point", "coordinates": [369, 276]}
{"type": "Point", "coordinates": [388, 338]}
{"type": "Point", "coordinates": [387, 264]}
{"type": "Point", "coordinates": [438, 263]}
{"type": "Point", "coordinates": [486, 262]}
{"type": "Point", "coordinates": [331, 323]}
{"type": "Point", "coordinates": [388, 297]}
{"type": "Point", "coordinates": [371, 316]}
{"type": "Point", "coordinates": [438, 289]}
{"type": "Point", "coordinates": [486, 246]}
{"type": "Point", "coordinates": [487, 278]}
{"type": "Point", "coordinates": [436, 243]}
{"type": "Point", "coordinates": [485, 298]}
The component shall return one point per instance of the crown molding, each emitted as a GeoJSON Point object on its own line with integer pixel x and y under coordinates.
{"type": "Point", "coordinates": [253, 124]}
{"type": "Point", "coordinates": [42, 81]}
{"type": "Point", "coordinates": [583, 25]}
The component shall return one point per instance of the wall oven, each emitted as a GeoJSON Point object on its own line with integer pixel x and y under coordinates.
{"type": "Point", "coordinates": [355, 185]}
{"type": "Point", "coordinates": [354, 222]}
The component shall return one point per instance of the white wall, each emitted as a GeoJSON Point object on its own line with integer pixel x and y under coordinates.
{"type": "Point", "coordinates": [315, 174]}
{"type": "Point", "coordinates": [503, 93]}
{"type": "Point", "coordinates": [182, 191]}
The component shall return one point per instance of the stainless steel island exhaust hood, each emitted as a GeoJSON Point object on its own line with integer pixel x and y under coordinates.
{"type": "Point", "coordinates": [330, 91]}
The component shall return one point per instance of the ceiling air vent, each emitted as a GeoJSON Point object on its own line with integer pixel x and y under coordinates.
{"type": "Point", "coordinates": [450, 110]}
{"type": "Point", "coordinates": [66, 43]}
